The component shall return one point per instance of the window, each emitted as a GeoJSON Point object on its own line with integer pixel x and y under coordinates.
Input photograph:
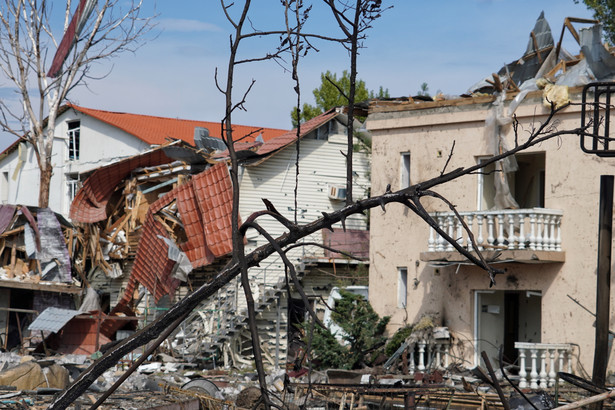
{"type": "Point", "coordinates": [4, 189]}
{"type": "Point", "coordinates": [73, 139]}
{"type": "Point", "coordinates": [402, 287]}
{"type": "Point", "coordinates": [72, 183]}
{"type": "Point", "coordinates": [527, 184]}
{"type": "Point", "coordinates": [404, 177]}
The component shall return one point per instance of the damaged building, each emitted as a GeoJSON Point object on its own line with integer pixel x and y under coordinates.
{"type": "Point", "coordinates": [535, 216]}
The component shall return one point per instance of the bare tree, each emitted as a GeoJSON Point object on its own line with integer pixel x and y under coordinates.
{"type": "Point", "coordinates": [28, 41]}
{"type": "Point", "coordinates": [354, 18]}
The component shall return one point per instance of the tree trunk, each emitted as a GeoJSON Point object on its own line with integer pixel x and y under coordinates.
{"type": "Point", "coordinates": [45, 181]}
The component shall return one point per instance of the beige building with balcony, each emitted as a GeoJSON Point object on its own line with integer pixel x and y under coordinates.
{"type": "Point", "coordinates": [545, 239]}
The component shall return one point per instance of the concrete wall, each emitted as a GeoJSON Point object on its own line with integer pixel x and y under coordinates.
{"type": "Point", "coordinates": [398, 236]}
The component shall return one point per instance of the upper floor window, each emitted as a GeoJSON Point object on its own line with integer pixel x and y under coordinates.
{"type": "Point", "coordinates": [73, 139]}
{"type": "Point", "coordinates": [526, 185]}
{"type": "Point", "coordinates": [404, 176]}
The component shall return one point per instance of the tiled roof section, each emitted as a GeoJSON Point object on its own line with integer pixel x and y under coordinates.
{"type": "Point", "coordinates": [152, 267]}
{"type": "Point", "coordinates": [53, 319]}
{"type": "Point", "coordinates": [90, 202]}
{"type": "Point", "coordinates": [214, 193]}
{"type": "Point", "coordinates": [204, 206]}
{"type": "Point", "coordinates": [155, 130]}
{"type": "Point", "coordinates": [195, 247]}
{"type": "Point", "coordinates": [283, 140]}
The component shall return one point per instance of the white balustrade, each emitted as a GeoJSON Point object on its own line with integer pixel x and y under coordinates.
{"type": "Point", "coordinates": [425, 355]}
{"type": "Point", "coordinates": [546, 359]}
{"type": "Point", "coordinates": [535, 229]}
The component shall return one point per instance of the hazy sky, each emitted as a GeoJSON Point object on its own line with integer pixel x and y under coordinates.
{"type": "Point", "coordinates": [449, 44]}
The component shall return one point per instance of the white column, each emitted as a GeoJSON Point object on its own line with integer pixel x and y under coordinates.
{"type": "Point", "coordinates": [440, 239]}
{"type": "Point", "coordinates": [522, 371]}
{"type": "Point", "coordinates": [552, 367]}
{"type": "Point", "coordinates": [552, 239]}
{"type": "Point", "coordinates": [450, 232]}
{"type": "Point", "coordinates": [511, 231]}
{"type": "Point", "coordinates": [543, 368]}
{"type": "Point", "coordinates": [490, 237]}
{"type": "Point", "coordinates": [421, 366]}
{"type": "Point", "coordinates": [534, 371]}
{"type": "Point", "coordinates": [460, 234]}
{"type": "Point", "coordinates": [558, 239]}
{"type": "Point", "coordinates": [501, 237]}
{"type": "Point", "coordinates": [431, 243]}
{"type": "Point", "coordinates": [470, 220]}
{"type": "Point", "coordinates": [412, 366]}
{"type": "Point", "coordinates": [539, 238]}
{"type": "Point", "coordinates": [521, 219]}
{"type": "Point", "coordinates": [532, 231]}
{"type": "Point", "coordinates": [479, 228]}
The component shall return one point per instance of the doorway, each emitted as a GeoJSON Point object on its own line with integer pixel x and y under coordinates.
{"type": "Point", "coordinates": [503, 317]}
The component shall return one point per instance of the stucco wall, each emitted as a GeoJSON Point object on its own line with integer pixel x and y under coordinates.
{"type": "Point", "coordinates": [398, 236]}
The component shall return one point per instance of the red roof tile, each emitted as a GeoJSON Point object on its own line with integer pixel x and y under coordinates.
{"type": "Point", "coordinates": [155, 130]}
{"type": "Point", "coordinates": [204, 206]}
{"type": "Point", "coordinates": [291, 136]}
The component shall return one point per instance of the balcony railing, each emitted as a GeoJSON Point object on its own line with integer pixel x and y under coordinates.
{"type": "Point", "coordinates": [545, 360]}
{"type": "Point", "coordinates": [537, 229]}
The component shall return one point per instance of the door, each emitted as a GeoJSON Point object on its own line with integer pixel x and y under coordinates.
{"type": "Point", "coordinates": [503, 318]}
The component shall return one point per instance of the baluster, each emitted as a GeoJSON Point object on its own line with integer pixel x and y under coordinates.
{"type": "Point", "coordinates": [533, 231]}
{"type": "Point", "coordinates": [511, 231]}
{"type": "Point", "coordinates": [534, 371]}
{"type": "Point", "coordinates": [558, 240]}
{"type": "Point", "coordinates": [501, 237]}
{"type": "Point", "coordinates": [412, 365]}
{"type": "Point", "coordinates": [539, 239]}
{"type": "Point", "coordinates": [470, 220]}
{"type": "Point", "coordinates": [460, 237]}
{"type": "Point", "coordinates": [521, 220]}
{"type": "Point", "coordinates": [490, 238]}
{"type": "Point", "coordinates": [543, 368]}
{"type": "Point", "coordinates": [446, 355]}
{"type": "Point", "coordinates": [479, 228]}
{"type": "Point", "coordinates": [522, 370]}
{"type": "Point", "coordinates": [437, 348]}
{"type": "Point", "coordinates": [428, 355]}
{"type": "Point", "coordinates": [431, 243]}
{"type": "Point", "coordinates": [552, 367]}
{"type": "Point", "coordinates": [440, 239]}
{"type": "Point", "coordinates": [449, 220]}
{"type": "Point", "coordinates": [569, 360]}
{"type": "Point", "coordinates": [552, 239]}
{"type": "Point", "coordinates": [421, 366]}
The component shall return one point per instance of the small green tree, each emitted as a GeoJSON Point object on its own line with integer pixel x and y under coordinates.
{"type": "Point", "coordinates": [604, 11]}
{"type": "Point", "coordinates": [363, 332]}
{"type": "Point", "coordinates": [327, 95]}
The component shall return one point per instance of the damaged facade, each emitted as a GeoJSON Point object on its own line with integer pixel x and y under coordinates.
{"type": "Point", "coordinates": [537, 220]}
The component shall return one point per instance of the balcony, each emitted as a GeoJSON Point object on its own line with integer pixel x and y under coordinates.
{"type": "Point", "coordinates": [545, 360]}
{"type": "Point", "coordinates": [503, 235]}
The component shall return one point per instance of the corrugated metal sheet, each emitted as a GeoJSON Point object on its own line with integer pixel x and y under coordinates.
{"type": "Point", "coordinates": [53, 319]}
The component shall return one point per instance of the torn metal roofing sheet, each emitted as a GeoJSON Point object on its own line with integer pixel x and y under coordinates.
{"type": "Point", "coordinates": [53, 319]}
{"type": "Point", "coordinates": [90, 202]}
{"type": "Point", "coordinates": [7, 212]}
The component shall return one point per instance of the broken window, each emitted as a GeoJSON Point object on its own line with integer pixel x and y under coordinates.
{"type": "Point", "coordinates": [527, 185]}
{"type": "Point", "coordinates": [402, 287]}
{"type": "Point", "coordinates": [73, 139]}
{"type": "Point", "coordinates": [404, 177]}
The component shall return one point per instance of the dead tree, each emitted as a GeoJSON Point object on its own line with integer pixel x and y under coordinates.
{"type": "Point", "coordinates": [28, 40]}
{"type": "Point", "coordinates": [354, 18]}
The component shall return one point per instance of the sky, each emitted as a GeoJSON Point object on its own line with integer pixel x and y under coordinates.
{"type": "Point", "coordinates": [448, 44]}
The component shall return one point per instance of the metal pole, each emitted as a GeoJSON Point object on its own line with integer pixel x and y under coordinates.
{"type": "Point", "coordinates": [603, 286]}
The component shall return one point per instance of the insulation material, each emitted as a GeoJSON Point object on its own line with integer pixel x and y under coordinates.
{"type": "Point", "coordinates": [493, 124]}
{"type": "Point", "coordinates": [53, 254]}
{"type": "Point", "coordinates": [556, 95]}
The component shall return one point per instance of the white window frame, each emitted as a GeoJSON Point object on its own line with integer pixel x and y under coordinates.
{"type": "Point", "coordinates": [404, 170]}
{"type": "Point", "coordinates": [402, 287]}
{"type": "Point", "coordinates": [74, 140]}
